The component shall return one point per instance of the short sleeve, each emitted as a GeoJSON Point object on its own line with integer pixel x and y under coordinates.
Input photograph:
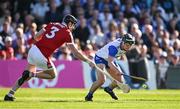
{"type": "Point", "coordinates": [112, 51]}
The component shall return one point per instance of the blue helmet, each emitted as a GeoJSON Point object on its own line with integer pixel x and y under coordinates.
{"type": "Point", "coordinates": [128, 38]}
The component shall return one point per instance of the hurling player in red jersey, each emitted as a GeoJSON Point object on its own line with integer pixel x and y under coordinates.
{"type": "Point", "coordinates": [46, 41]}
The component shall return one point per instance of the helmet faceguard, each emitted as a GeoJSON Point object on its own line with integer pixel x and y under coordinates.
{"type": "Point", "coordinates": [128, 38]}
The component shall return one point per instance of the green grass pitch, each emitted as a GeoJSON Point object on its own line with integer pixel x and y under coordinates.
{"type": "Point", "coordinates": [74, 99]}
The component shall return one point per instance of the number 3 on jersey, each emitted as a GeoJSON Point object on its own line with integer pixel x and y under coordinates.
{"type": "Point", "coordinates": [52, 32]}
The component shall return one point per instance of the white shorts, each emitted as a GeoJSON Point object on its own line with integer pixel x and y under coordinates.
{"type": "Point", "coordinates": [35, 57]}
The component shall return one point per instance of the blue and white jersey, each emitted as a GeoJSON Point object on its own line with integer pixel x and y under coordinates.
{"type": "Point", "coordinates": [111, 49]}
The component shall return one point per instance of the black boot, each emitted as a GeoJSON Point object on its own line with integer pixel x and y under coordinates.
{"type": "Point", "coordinates": [111, 93]}
{"type": "Point", "coordinates": [89, 97]}
{"type": "Point", "coordinates": [8, 98]}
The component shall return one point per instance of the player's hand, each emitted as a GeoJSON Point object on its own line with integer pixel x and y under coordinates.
{"type": "Point", "coordinates": [91, 64]}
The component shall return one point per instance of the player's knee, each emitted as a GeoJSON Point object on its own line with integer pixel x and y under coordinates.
{"type": "Point", "coordinates": [101, 81]}
{"type": "Point", "coordinates": [53, 75]}
{"type": "Point", "coordinates": [118, 74]}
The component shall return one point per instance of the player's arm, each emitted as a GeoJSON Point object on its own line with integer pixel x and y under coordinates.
{"type": "Point", "coordinates": [74, 50]}
{"type": "Point", "coordinates": [36, 37]}
{"type": "Point", "coordinates": [39, 35]}
{"type": "Point", "coordinates": [112, 65]}
{"type": "Point", "coordinates": [112, 52]}
{"type": "Point", "coordinates": [78, 54]}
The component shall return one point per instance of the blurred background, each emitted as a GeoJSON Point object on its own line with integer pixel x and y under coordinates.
{"type": "Point", "coordinates": [154, 23]}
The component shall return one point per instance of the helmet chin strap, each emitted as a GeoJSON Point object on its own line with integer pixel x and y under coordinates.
{"type": "Point", "coordinates": [122, 44]}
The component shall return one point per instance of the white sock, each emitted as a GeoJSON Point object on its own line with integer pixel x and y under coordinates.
{"type": "Point", "coordinates": [11, 93]}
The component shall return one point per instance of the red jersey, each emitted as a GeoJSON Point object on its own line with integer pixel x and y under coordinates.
{"type": "Point", "coordinates": [55, 35]}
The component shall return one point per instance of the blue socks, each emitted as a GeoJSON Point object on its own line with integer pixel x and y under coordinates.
{"type": "Point", "coordinates": [90, 94]}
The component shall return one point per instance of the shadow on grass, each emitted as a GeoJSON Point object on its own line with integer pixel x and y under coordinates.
{"type": "Point", "coordinates": [82, 101]}
{"type": "Point", "coordinates": [11, 101]}
{"type": "Point", "coordinates": [61, 101]}
{"type": "Point", "coordinates": [151, 100]}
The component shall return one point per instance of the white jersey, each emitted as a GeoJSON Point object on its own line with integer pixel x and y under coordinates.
{"type": "Point", "coordinates": [104, 52]}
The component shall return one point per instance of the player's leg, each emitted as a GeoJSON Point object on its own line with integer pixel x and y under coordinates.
{"type": "Point", "coordinates": [31, 67]}
{"type": "Point", "coordinates": [36, 58]}
{"type": "Point", "coordinates": [100, 81]}
{"type": "Point", "coordinates": [46, 74]}
{"type": "Point", "coordinates": [109, 89]}
{"type": "Point", "coordinates": [30, 72]}
{"type": "Point", "coordinates": [125, 88]}
{"type": "Point", "coordinates": [118, 75]}
{"type": "Point", "coordinates": [49, 71]}
{"type": "Point", "coordinates": [26, 75]}
{"type": "Point", "coordinates": [113, 85]}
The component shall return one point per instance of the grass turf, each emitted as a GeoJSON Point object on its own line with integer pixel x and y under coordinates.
{"type": "Point", "coordinates": [74, 99]}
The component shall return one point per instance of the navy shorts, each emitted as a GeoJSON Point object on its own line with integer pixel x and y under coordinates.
{"type": "Point", "coordinates": [99, 60]}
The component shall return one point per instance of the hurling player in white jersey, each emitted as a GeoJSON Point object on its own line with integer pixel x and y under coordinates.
{"type": "Point", "coordinates": [104, 58]}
